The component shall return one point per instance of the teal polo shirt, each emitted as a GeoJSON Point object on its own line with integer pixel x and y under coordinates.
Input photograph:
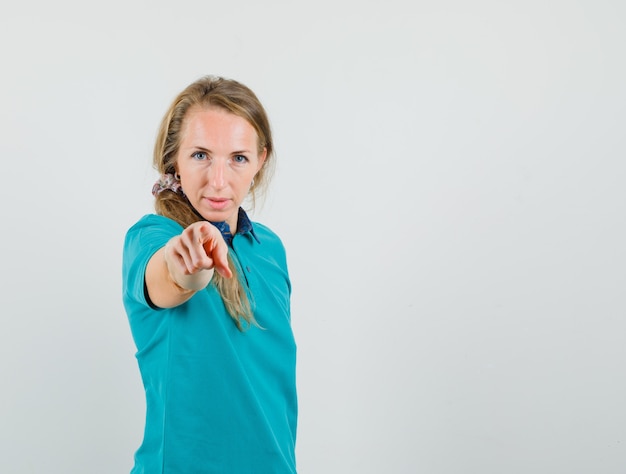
{"type": "Point", "coordinates": [218, 400]}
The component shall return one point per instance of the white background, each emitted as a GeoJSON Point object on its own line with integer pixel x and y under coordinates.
{"type": "Point", "coordinates": [450, 190]}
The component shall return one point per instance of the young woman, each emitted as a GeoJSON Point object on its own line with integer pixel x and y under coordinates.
{"type": "Point", "coordinates": [207, 294]}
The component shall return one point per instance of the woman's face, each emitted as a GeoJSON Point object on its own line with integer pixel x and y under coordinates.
{"type": "Point", "coordinates": [217, 160]}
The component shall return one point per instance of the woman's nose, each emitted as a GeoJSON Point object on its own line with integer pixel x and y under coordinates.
{"type": "Point", "coordinates": [216, 174]}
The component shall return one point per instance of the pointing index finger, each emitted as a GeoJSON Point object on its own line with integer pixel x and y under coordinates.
{"type": "Point", "coordinates": [217, 250]}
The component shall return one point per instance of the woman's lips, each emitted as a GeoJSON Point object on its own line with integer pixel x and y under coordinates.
{"type": "Point", "coordinates": [218, 203]}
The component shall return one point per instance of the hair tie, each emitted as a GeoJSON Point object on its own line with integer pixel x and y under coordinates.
{"type": "Point", "coordinates": [167, 181]}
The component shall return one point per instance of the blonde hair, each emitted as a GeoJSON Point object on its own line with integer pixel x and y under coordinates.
{"type": "Point", "coordinates": [236, 98]}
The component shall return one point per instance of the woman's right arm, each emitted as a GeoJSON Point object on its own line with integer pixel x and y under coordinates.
{"type": "Point", "coordinates": [186, 265]}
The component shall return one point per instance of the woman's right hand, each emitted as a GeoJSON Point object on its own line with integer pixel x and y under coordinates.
{"type": "Point", "coordinates": [186, 265]}
{"type": "Point", "coordinates": [199, 247]}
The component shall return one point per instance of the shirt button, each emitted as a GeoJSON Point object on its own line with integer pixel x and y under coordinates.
{"type": "Point", "coordinates": [248, 268]}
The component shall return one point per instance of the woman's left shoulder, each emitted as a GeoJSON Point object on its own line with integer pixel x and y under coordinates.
{"type": "Point", "coordinates": [265, 234]}
{"type": "Point", "coordinates": [263, 229]}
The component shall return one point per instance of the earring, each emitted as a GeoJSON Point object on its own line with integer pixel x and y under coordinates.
{"type": "Point", "coordinates": [252, 183]}
{"type": "Point", "coordinates": [176, 176]}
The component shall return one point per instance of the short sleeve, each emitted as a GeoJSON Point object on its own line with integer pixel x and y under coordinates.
{"type": "Point", "coordinates": [142, 241]}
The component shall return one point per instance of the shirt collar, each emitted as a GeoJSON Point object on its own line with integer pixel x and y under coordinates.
{"type": "Point", "coordinates": [244, 225]}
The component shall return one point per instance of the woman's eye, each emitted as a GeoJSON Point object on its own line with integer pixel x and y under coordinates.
{"type": "Point", "coordinates": [240, 159]}
{"type": "Point", "coordinates": [199, 155]}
